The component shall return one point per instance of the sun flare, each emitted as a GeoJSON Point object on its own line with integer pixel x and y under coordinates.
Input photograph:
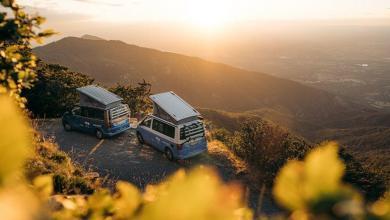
{"type": "Point", "coordinates": [209, 14]}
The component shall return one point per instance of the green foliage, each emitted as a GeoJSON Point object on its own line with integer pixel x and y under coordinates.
{"type": "Point", "coordinates": [267, 147]}
{"type": "Point", "coordinates": [136, 97]}
{"type": "Point", "coordinates": [371, 184]}
{"type": "Point", "coordinates": [54, 92]}
{"type": "Point", "coordinates": [17, 64]}
{"type": "Point", "coordinates": [220, 134]}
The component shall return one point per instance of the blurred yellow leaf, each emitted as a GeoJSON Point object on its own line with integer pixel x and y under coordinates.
{"type": "Point", "coordinates": [323, 171]}
{"type": "Point", "coordinates": [198, 195]}
{"type": "Point", "coordinates": [288, 189]}
{"type": "Point", "coordinates": [18, 203]}
{"type": "Point", "coordinates": [15, 139]}
{"type": "Point", "coordinates": [100, 203]}
{"type": "Point", "coordinates": [301, 182]}
{"type": "Point", "coordinates": [44, 185]}
{"type": "Point", "coordinates": [127, 200]}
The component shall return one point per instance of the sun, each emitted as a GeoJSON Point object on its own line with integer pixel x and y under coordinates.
{"type": "Point", "coordinates": [209, 13]}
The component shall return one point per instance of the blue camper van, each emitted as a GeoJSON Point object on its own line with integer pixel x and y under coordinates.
{"type": "Point", "coordinates": [174, 128]}
{"type": "Point", "coordinates": [99, 112]}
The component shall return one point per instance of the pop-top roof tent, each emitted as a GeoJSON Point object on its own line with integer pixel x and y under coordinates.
{"type": "Point", "coordinates": [172, 108]}
{"type": "Point", "coordinates": [97, 97]}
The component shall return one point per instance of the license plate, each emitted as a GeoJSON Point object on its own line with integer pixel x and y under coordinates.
{"type": "Point", "coordinates": [119, 123]}
{"type": "Point", "coordinates": [194, 142]}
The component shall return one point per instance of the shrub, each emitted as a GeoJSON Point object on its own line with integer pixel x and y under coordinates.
{"type": "Point", "coordinates": [54, 92]}
{"type": "Point", "coordinates": [137, 97]}
{"type": "Point", "coordinates": [267, 147]}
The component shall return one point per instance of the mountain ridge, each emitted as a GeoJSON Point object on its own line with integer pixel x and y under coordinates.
{"type": "Point", "coordinates": [201, 82]}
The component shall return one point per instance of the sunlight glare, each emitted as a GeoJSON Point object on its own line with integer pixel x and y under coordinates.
{"type": "Point", "coordinates": [209, 14]}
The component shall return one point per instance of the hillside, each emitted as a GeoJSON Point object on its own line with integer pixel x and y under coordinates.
{"type": "Point", "coordinates": [368, 144]}
{"type": "Point", "coordinates": [202, 83]}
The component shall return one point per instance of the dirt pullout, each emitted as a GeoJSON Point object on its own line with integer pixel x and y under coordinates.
{"type": "Point", "coordinates": [122, 158]}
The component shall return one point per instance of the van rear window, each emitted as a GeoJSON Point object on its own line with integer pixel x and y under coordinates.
{"type": "Point", "coordinates": [193, 130]}
{"type": "Point", "coordinates": [163, 128]}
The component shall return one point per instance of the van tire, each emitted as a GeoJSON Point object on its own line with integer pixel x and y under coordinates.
{"type": "Point", "coordinates": [67, 126]}
{"type": "Point", "coordinates": [169, 154]}
{"type": "Point", "coordinates": [140, 138]}
{"type": "Point", "coordinates": [99, 134]}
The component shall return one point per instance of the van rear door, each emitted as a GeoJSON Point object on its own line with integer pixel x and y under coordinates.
{"type": "Point", "coordinates": [119, 115]}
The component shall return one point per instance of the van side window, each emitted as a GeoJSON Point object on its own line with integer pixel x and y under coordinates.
{"type": "Point", "coordinates": [96, 113]}
{"type": "Point", "coordinates": [76, 111]}
{"type": "Point", "coordinates": [163, 128]}
{"type": "Point", "coordinates": [146, 122]}
{"type": "Point", "coordinates": [84, 112]}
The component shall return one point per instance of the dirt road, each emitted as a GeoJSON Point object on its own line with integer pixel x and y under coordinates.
{"type": "Point", "coordinates": [122, 158]}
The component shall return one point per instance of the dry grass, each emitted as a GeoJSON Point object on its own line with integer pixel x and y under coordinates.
{"type": "Point", "coordinates": [219, 149]}
{"type": "Point", "coordinates": [68, 177]}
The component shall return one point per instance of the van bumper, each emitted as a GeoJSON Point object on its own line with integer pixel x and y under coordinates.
{"type": "Point", "coordinates": [115, 131]}
{"type": "Point", "coordinates": [191, 154]}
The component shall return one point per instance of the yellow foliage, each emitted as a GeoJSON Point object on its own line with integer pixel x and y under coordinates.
{"type": "Point", "coordinates": [15, 137]}
{"type": "Point", "coordinates": [127, 200]}
{"type": "Point", "coordinates": [198, 195]}
{"type": "Point", "coordinates": [44, 186]}
{"type": "Point", "coordinates": [17, 202]}
{"type": "Point", "coordinates": [314, 186]}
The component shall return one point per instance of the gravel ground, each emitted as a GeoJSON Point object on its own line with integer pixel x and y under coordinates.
{"type": "Point", "coordinates": [122, 158]}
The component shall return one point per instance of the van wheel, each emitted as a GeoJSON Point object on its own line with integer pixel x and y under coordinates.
{"type": "Point", "coordinates": [140, 138]}
{"type": "Point", "coordinates": [67, 126]}
{"type": "Point", "coordinates": [99, 134]}
{"type": "Point", "coordinates": [168, 154]}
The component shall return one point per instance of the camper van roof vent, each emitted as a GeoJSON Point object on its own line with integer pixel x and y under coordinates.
{"type": "Point", "coordinates": [175, 106]}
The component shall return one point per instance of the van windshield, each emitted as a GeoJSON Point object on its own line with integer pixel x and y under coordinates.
{"type": "Point", "coordinates": [193, 130]}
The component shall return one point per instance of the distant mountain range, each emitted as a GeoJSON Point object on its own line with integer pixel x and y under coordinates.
{"type": "Point", "coordinates": [202, 83]}
{"type": "Point", "coordinates": [315, 114]}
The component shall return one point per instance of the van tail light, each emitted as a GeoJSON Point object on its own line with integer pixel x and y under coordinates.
{"type": "Point", "coordinates": [179, 146]}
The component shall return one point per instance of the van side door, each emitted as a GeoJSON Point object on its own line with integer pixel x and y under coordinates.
{"type": "Point", "coordinates": [85, 123]}
{"type": "Point", "coordinates": [165, 134]}
{"type": "Point", "coordinates": [96, 119]}
{"type": "Point", "coordinates": [146, 130]}
{"type": "Point", "coordinates": [75, 119]}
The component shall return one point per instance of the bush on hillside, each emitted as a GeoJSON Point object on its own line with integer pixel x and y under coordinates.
{"type": "Point", "coordinates": [371, 184]}
{"type": "Point", "coordinates": [54, 92]}
{"type": "Point", "coordinates": [267, 147]}
{"type": "Point", "coordinates": [137, 97]}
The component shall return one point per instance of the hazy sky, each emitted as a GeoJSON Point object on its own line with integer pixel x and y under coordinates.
{"type": "Point", "coordinates": [214, 12]}
{"type": "Point", "coordinates": [187, 25]}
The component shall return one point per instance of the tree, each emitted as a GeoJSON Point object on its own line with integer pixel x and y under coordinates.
{"type": "Point", "coordinates": [17, 63]}
{"type": "Point", "coordinates": [55, 90]}
{"type": "Point", "coordinates": [136, 97]}
{"type": "Point", "coordinates": [267, 147]}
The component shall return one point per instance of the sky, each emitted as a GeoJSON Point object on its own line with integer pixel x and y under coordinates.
{"type": "Point", "coordinates": [178, 24]}
{"type": "Point", "coordinates": [214, 12]}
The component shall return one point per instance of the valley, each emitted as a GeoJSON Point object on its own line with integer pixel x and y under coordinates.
{"type": "Point", "coordinates": [309, 112]}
